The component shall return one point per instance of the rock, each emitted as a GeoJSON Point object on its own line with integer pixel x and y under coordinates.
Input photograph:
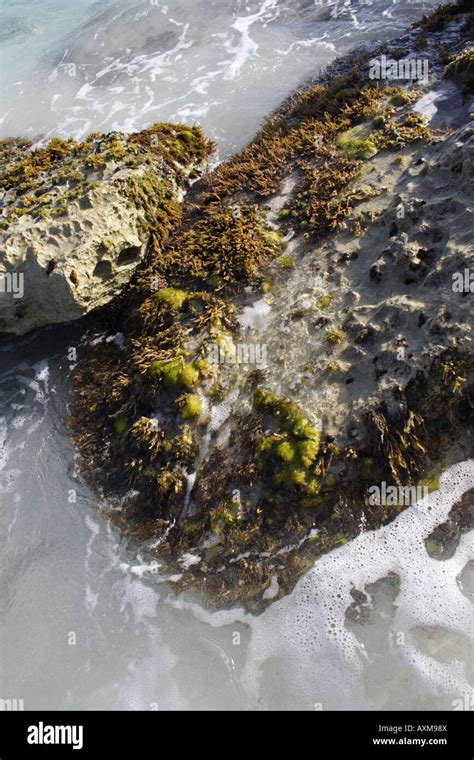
{"type": "Point", "coordinates": [442, 543]}
{"type": "Point", "coordinates": [76, 218]}
{"type": "Point", "coordinates": [368, 375]}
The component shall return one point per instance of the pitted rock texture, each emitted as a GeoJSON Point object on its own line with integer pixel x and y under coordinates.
{"type": "Point", "coordinates": [76, 218]}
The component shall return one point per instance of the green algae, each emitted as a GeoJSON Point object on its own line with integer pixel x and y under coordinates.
{"type": "Point", "coordinates": [175, 373]}
{"type": "Point", "coordinates": [121, 425]}
{"type": "Point", "coordinates": [354, 144]}
{"type": "Point", "coordinates": [325, 300]}
{"type": "Point", "coordinates": [292, 449]}
{"type": "Point", "coordinates": [461, 70]}
{"type": "Point", "coordinates": [191, 408]}
{"type": "Point", "coordinates": [280, 463]}
{"type": "Point", "coordinates": [285, 262]}
{"type": "Point", "coordinates": [334, 336]}
{"type": "Point", "coordinates": [400, 98]}
{"type": "Point", "coordinates": [172, 297]}
{"type": "Point", "coordinates": [285, 451]}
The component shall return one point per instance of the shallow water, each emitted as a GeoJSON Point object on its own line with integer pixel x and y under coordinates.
{"type": "Point", "coordinates": [84, 66]}
{"type": "Point", "coordinates": [85, 622]}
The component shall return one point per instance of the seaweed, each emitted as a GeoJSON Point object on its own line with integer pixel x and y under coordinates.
{"type": "Point", "coordinates": [75, 167]}
{"type": "Point", "coordinates": [289, 477]}
{"type": "Point", "coordinates": [461, 70]}
{"type": "Point", "coordinates": [442, 16]}
{"type": "Point", "coordinates": [191, 406]}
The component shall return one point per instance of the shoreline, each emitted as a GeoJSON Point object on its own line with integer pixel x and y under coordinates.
{"type": "Point", "coordinates": [231, 467]}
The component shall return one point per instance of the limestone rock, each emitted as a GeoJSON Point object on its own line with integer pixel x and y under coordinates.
{"type": "Point", "coordinates": [76, 218]}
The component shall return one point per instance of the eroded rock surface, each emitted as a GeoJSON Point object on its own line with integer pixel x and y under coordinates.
{"type": "Point", "coordinates": [303, 337]}
{"type": "Point", "coordinates": [76, 218]}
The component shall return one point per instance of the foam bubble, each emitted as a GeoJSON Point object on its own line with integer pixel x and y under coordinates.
{"type": "Point", "coordinates": [254, 316]}
{"type": "Point", "coordinates": [320, 658]}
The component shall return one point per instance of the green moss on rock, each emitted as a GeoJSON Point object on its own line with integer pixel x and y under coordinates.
{"type": "Point", "coordinates": [191, 408]}
{"type": "Point", "coordinates": [121, 425]}
{"type": "Point", "coordinates": [353, 145]}
{"type": "Point", "coordinates": [175, 373]}
{"type": "Point", "coordinates": [285, 262]}
{"type": "Point", "coordinates": [461, 70]}
{"type": "Point", "coordinates": [294, 446]}
{"type": "Point", "coordinates": [172, 297]}
{"type": "Point", "coordinates": [325, 300]}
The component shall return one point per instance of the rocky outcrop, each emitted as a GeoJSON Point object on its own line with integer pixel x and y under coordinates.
{"type": "Point", "coordinates": [77, 217]}
{"type": "Point", "coordinates": [303, 340]}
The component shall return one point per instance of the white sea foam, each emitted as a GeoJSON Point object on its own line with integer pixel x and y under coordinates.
{"type": "Point", "coordinates": [171, 652]}
{"type": "Point", "coordinates": [319, 659]}
{"type": "Point", "coordinates": [255, 316]}
{"type": "Point", "coordinates": [4, 451]}
{"type": "Point", "coordinates": [127, 66]}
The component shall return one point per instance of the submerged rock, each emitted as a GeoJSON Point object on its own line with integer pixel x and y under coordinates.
{"type": "Point", "coordinates": [303, 337]}
{"type": "Point", "coordinates": [444, 540]}
{"type": "Point", "coordinates": [77, 217]}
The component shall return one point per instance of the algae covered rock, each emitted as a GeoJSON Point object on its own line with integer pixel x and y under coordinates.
{"type": "Point", "coordinates": [461, 70]}
{"type": "Point", "coordinates": [309, 339]}
{"type": "Point", "coordinates": [77, 217]}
